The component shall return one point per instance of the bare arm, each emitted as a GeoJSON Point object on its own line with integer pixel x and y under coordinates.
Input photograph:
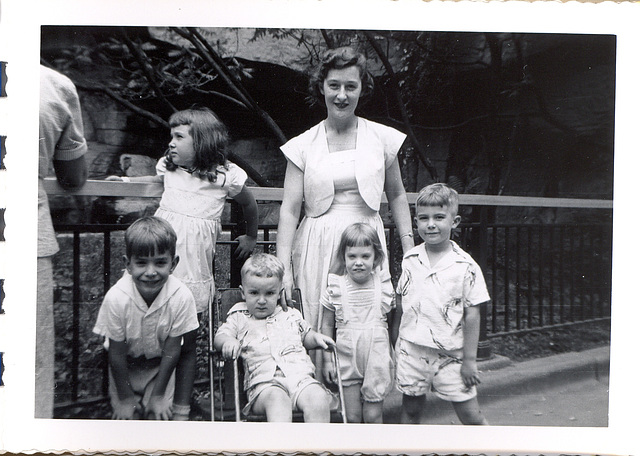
{"type": "Point", "coordinates": [289, 216]}
{"type": "Point", "coordinates": [471, 332]}
{"type": "Point", "coordinates": [185, 372]}
{"type": "Point", "coordinates": [397, 197]}
{"type": "Point", "coordinates": [128, 404]}
{"type": "Point", "coordinates": [328, 329]}
{"type": "Point", "coordinates": [71, 174]}
{"type": "Point", "coordinates": [247, 242]}
{"type": "Point", "coordinates": [170, 355]}
{"type": "Point", "coordinates": [394, 328]}
{"type": "Point", "coordinates": [158, 178]}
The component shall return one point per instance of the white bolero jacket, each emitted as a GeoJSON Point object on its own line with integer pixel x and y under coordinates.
{"type": "Point", "coordinates": [377, 146]}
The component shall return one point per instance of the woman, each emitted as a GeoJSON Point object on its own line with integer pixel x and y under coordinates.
{"type": "Point", "coordinates": [340, 168]}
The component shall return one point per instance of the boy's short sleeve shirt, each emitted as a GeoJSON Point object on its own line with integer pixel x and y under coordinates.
{"type": "Point", "coordinates": [434, 299]}
{"type": "Point", "coordinates": [275, 342]}
{"type": "Point", "coordinates": [124, 315]}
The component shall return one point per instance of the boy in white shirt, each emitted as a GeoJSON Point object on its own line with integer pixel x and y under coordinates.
{"type": "Point", "coordinates": [144, 317]}
{"type": "Point", "coordinates": [437, 323]}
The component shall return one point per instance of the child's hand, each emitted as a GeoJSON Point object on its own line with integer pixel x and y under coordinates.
{"type": "Point", "coordinates": [128, 409]}
{"type": "Point", "coordinates": [231, 349]}
{"type": "Point", "coordinates": [159, 409]}
{"type": "Point", "coordinates": [329, 370]}
{"type": "Point", "coordinates": [246, 244]}
{"type": "Point", "coordinates": [469, 372]}
{"type": "Point", "coordinates": [321, 341]}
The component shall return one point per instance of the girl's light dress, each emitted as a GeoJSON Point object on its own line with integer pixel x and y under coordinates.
{"type": "Point", "coordinates": [193, 206]}
{"type": "Point", "coordinates": [362, 336]}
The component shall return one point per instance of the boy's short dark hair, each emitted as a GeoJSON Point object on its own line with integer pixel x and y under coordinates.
{"type": "Point", "coordinates": [149, 235]}
{"type": "Point", "coordinates": [438, 195]}
{"type": "Point", "coordinates": [263, 265]}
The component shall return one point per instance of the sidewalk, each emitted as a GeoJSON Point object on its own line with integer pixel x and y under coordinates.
{"type": "Point", "coordinates": [574, 384]}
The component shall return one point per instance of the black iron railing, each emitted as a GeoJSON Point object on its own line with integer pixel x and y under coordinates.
{"type": "Point", "coordinates": [539, 276]}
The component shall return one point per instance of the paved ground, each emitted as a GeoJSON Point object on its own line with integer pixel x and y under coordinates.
{"type": "Point", "coordinates": [570, 389]}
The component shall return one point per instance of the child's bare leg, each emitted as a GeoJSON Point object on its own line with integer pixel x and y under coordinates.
{"type": "Point", "coordinates": [275, 403]}
{"type": "Point", "coordinates": [353, 403]}
{"type": "Point", "coordinates": [469, 412]}
{"type": "Point", "coordinates": [412, 407]}
{"type": "Point", "coordinates": [372, 412]}
{"type": "Point", "coordinates": [315, 403]}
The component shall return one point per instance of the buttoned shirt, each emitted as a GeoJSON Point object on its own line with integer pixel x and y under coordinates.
{"type": "Point", "coordinates": [275, 342]}
{"type": "Point", "coordinates": [434, 297]}
{"type": "Point", "coordinates": [125, 316]}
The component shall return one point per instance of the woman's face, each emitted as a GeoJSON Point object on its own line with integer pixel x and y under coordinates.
{"type": "Point", "coordinates": [342, 89]}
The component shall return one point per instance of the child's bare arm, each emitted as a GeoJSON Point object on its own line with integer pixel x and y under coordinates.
{"type": "Point", "coordinates": [158, 407]}
{"type": "Point", "coordinates": [153, 179]}
{"type": "Point", "coordinates": [328, 329]}
{"type": "Point", "coordinates": [185, 376]}
{"type": "Point", "coordinates": [247, 242]}
{"type": "Point", "coordinates": [127, 405]}
{"type": "Point", "coordinates": [471, 333]}
{"type": "Point", "coordinates": [394, 328]}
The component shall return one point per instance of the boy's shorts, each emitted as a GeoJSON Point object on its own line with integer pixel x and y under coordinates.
{"type": "Point", "coordinates": [293, 386]}
{"type": "Point", "coordinates": [421, 369]}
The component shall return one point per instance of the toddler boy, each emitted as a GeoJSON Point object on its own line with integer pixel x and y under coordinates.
{"type": "Point", "coordinates": [279, 374]}
{"type": "Point", "coordinates": [437, 321]}
{"type": "Point", "coordinates": [144, 317]}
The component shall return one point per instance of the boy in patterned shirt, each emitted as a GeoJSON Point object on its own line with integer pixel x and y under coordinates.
{"type": "Point", "coordinates": [437, 322]}
{"type": "Point", "coordinates": [272, 342]}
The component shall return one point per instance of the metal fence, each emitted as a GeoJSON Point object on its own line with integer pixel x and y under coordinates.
{"type": "Point", "coordinates": [539, 276]}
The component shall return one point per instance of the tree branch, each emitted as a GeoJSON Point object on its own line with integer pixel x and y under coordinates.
{"type": "Point", "coordinates": [422, 153]}
{"type": "Point", "coordinates": [143, 61]}
{"type": "Point", "coordinates": [205, 50]}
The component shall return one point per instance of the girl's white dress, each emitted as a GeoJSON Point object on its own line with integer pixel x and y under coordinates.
{"type": "Point", "coordinates": [193, 206]}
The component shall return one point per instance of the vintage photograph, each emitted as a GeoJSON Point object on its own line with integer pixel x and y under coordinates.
{"type": "Point", "coordinates": [395, 230]}
{"type": "Point", "coordinates": [525, 119]}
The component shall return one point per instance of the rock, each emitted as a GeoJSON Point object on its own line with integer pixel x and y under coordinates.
{"type": "Point", "coordinates": [137, 165]}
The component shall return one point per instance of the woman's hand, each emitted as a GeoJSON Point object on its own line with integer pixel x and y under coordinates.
{"type": "Point", "coordinates": [286, 299]}
{"type": "Point", "coordinates": [246, 244]}
{"type": "Point", "coordinates": [114, 178]}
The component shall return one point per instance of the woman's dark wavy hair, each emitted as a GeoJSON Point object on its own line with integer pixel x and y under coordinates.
{"type": "Point", "coordinates": [210, 141]}
{"type": "Point", "coordinates": [337, 59]}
